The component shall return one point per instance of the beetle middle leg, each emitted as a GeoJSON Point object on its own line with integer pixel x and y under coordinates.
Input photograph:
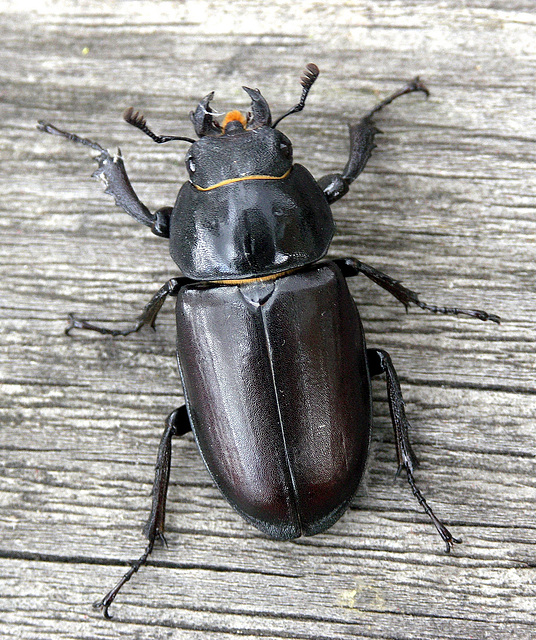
{"type": "Point", "coordinates": [177, 424]}
{"type": "Point", "coordinates": [380, 362]}
{"type": "Point", "coordinates": [146, 318]}
{"type": "Point", "coordinates": [352, 267]}
{"type": "Point", "coordinates": [336, 185]}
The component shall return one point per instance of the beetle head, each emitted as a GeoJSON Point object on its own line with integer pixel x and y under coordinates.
{"type": "Point", "coordinates": [241, 147]}
{"type": "Point", "coordinates": [238, 153]}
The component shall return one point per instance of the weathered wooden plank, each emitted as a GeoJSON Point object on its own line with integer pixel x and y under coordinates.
{"type": "Point", "coordinates": [446, 204]}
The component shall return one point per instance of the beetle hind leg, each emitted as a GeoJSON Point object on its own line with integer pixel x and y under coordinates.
{"type": "Point", "coordinates": [380, 362]}
{"type": "Point", "coordinates": [177, 424]}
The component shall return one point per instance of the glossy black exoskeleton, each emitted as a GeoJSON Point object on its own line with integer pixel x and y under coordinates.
{"type": "Point", "coordinates": [271, 350]}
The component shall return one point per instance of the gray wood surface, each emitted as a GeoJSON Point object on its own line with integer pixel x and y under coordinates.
{"type": "Point", "coordinates": [446, 204]}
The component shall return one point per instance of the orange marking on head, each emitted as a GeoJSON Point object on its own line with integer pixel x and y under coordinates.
{"type": "Point", "coordinates": [234, 115]}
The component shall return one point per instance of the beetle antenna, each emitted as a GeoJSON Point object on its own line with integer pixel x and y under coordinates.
{"type": "Point", "coordinates": [307, 80]}
{"type": "Point", "coordinates": [137, 119]}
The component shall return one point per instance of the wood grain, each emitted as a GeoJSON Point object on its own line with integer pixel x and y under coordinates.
{"type": "Point", "coordinates": [446, 204]}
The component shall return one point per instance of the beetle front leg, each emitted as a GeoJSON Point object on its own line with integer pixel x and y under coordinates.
{"type": "Point", "coordinates": [146, 318]}
{"type": "Point", "coordinates": [177, 424]}
{"type": "Point", "coordinates": [351, 267]}
{"type": "Point", "coordinates": [380, 362]}
{"type": "Point", "coordinates": [336, 185]}
{"type": "Point", "coordinates": [112, 172]}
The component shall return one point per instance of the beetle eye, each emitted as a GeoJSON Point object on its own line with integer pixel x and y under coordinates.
{"type": "Point", "coordinates": [190, 164]}
{"type": "Point", "coordinates": [286, 149]}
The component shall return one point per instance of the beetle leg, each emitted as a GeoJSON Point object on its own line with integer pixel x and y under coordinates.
{"type": "Point", "coordinates": [380, 362]}
{"type": "Point", "coordinates": [177, 424]}
{"type": "Point", "coordinates": [146, 318]}
{"type": "Point", "coordinates": [336, 185]}
{"type": "Point", "coordinates": [112, 172]}
{"type": "Point", "coordinates": [351, 267]}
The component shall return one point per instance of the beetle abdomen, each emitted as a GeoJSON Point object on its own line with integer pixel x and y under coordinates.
{"type": "Point", "coordinates": [278, 392]}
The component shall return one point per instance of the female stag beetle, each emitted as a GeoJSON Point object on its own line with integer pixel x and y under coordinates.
{"type": "Point", "coordinates": [271, 350]}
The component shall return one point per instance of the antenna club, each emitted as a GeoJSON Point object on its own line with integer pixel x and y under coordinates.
{"type": "Point", "coordinates": [307, 80]}
{"type": "Point", "coordinates": [137, 119]}
{"type": "Point", "coordinates": [310, 75]}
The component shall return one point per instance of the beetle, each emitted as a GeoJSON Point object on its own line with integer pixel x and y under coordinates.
{"type": "Point", "coordinates": [270, 347]}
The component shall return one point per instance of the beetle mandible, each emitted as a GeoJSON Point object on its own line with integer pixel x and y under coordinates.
{"type": "Point", "coordinates": [270, 347]}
